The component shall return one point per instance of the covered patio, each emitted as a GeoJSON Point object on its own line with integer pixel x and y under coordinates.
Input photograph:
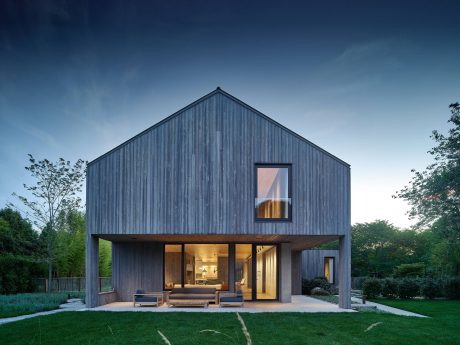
{"type": "Point", "coordinates": [299, 304]}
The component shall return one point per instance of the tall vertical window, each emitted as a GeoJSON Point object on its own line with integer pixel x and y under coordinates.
{"type": "Point", "coordinates": [266, 275]}
{"type": "Point", "coordinates": [172, 266]}
{"type": "Point", "coordinates": [329, 269]}
{"type": "Point", "coordinates": [273, 192]}
{"type": "Point", "coordinates": [243, 269]}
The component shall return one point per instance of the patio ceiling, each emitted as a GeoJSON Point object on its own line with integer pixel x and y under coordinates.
{"type": "Point", "coordinates": [298, 242]}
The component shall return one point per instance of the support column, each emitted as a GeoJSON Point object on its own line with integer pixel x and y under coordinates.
{"type": "Point", "coordinates": [296, 262]}
{"type": "Point", "coordinates": [345, 271]}
{"type": "Point", "coordinates": [92, 271]}
{"type": "Point", "coordinates": [231, 267]}
{"type": "Point", "coordinates": [285, 280]}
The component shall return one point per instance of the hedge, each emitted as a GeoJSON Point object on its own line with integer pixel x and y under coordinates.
{"type": "Point", "coordinates": [389, 287]}
{"type": "Point", "coordinates": [372, 288]}
{"type": "Point", "coordinates": [17, 273]}
{"type": "Point", "coordinates": [452, 288]}
{"type": "Point", "coordinates": [408, 287]}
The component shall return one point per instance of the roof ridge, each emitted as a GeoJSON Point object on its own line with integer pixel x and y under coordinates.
{"type": "Point", "coordinates": [233, 98]}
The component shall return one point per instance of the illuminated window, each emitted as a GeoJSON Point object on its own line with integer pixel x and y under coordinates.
{"type": "Point", "coordinates": [206, 265]}
{"type": "Point", "coordinates": [172, 266]}
{"type": "Point", "coordinates": [273, 192]}
{"type": "Point", "coordinates": [329, 269]}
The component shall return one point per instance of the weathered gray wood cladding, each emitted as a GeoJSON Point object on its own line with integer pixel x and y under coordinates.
{"type": "Point", "coordinates": [136, 266]}
{"type": "Point", "coordinates": [313, 263]}
{"type": "Point", "coordinates": [194, 174]}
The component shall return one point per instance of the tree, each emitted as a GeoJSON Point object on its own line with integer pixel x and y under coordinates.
{"type": "Point", "coordinates": [378, 247]}
{"type": "Point", "coordinates": [55, 190]}
{"type": "Point", "coordinates": [20, 253]}
{"type": "Point", "coordinates": [371, 248]}
{"type": "Point", "coordinates": [434, 194]}
{"type": "Point", "coordinates": [16, 235]}
{"type": "Point", "coordinates": [69, 258]}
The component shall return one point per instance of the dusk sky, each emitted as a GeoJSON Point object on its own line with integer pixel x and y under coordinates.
{"type": "Point", "coordinates": [366, 80]}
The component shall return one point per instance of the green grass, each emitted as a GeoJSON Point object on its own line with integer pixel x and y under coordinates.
{"type": "Point", "coordinates": [29, 303]}
{"type": "Point", "coordinates": [268, 328]}
{"type": "Point", "coordinates": [433, 308]}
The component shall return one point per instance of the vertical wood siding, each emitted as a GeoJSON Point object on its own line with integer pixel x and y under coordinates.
{"type": "Point", "coordinates": [313, 263]}
{"type": "Point", "coordinates": [136, 266]}
{"type": "Point", "coordinates": [194, 174]}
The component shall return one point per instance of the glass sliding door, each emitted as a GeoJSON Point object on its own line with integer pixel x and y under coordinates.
{"type": "Point", "coordinates": [172, 266]}
{"type": "Point", "coordinates": [266, 272]}
{"type": "Point", "coordinates": [243, 269]}
{"type": "Point", "coordinates": [206, 265]}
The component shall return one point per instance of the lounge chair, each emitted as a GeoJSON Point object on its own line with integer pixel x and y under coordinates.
{"type": "Point", "coordinates": [147, 298]}
{"type": "Point", "coordinates": [231, 299]}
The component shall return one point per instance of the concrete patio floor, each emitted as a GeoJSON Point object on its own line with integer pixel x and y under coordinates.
{"type": "Point", "coordinates": [300, 304]}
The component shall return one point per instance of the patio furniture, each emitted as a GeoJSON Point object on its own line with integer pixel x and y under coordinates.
{"type": "Point", "coordinates": [228, 299]}
{"type": "Point", "coordinates": [194, 294]}
{"type": "Point", "coordinates": [147, 298]}
{"type": "Point", "coordinates": [189, 303]}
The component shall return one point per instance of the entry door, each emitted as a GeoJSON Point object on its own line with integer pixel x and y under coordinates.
{"type": "Point", "coordinates": [266, 272]}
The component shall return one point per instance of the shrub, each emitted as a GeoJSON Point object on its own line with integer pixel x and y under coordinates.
{"type": "Point", "coordinates": [408, 288]}
{"type": "Point", "coordinates": [431, 288]}
{"type": "Point", "coordinates": [409, 270]}
{"type": "Point", "coordinates": [389, 287]}
{"type": "Point", "coordinates": [357, 282]}
{"type": "Point", "coordinates": [308, 285]}
{"type": "Point", "coordinates": [452, 288]}
{"type": "Point", "coordinates": [317, 291]}
{"type": "Point", "coordinates": [372, 287]}
{"type": "Point", "coordinates": [17, 273]}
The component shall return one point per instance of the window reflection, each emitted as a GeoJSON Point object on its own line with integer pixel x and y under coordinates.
{"type": "Point", "coordinates": [273, 199]}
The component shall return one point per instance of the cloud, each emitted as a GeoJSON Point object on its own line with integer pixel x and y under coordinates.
{"type": "Point", "coordinates": [364, 51]}
{"type": "Point", "coordinates": [24, 126]}
{"type": "Point", "coordinates": [33, 131]}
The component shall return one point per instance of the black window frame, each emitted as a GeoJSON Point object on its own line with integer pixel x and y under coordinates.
{"type": "Point", "coordinates": [273, 165]}
{"type": "Point", "coordinates": [182, 268]}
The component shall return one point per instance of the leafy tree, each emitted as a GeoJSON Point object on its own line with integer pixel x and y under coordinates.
{"type": "Point", "coordinates": [434, 194]}
{"type": "Point", "coordinates": [20, 261]}
{"type": "Point", "coordinates": [17, 235]}
{"type": "Point", "coordinates": [70, 244]}
{"type": "Point", "coordinates": [416, 269]}
{"type": "Point", "coordinates": [55, 190]}
{"type": "Point", "coordinates": [378, 247]}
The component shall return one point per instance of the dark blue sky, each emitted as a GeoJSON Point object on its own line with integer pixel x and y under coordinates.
{"type": "Point", "coordinates": [366, 80]}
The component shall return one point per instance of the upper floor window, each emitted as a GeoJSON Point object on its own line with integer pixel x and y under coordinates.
{"type": "Point", "coordinates": [273, 192]}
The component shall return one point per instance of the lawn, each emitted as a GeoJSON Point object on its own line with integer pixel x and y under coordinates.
{"type": "Point", "coordinates": [93, 327]}
{"type": "Point", "coordinates": [28, 303]}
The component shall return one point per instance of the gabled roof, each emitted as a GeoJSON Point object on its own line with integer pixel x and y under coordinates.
{"type": "Point", "coordinates": [218, 90]}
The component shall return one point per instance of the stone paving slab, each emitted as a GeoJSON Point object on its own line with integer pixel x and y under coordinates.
{"type": "Point", "coordinates": [300, 304]}
{"type": "Point", "coordinates": [386, 308]}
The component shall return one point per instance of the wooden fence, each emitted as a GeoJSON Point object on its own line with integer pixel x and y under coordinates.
{"type": "Point", "coordinates": [64, 284]}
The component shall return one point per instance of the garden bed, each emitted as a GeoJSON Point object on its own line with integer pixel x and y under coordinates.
{"type": "Point", "coordinates": [29, 303]}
